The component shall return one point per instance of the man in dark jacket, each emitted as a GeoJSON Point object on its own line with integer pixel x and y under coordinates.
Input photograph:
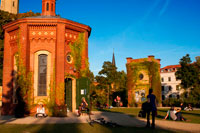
{"type": "Point", "coordinates": [152, 103]}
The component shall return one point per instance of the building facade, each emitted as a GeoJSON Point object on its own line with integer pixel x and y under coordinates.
{"type": "Point", "coordinates": [170, 85]}
{"type": "Point", "coordinates": [11, 6]}
{"type": "Point", "coordinates": [54, 50]}
{"type": "Point", "coordinates": [142, 74]}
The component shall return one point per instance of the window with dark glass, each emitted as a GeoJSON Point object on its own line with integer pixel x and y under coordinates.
{"type": "Point", "coordinates": [13, 4]}
{"type": "Point", "coordinates": [162, 79]}
{"type": "Point", "coordinates": [170, 88]}
{"type": "Point", "coordinates": [51, 7]}
{"type": "Point", "coordinates": [163, 88]}
{"type": "Point", "coordinates": [69, 58]}
{"type": "Point", "coordinates": [169, 78]}
{"type": "Point", "coordinates": [47, 6]}
{"type": "Point", "coordinates": [42, 75]}
{"type": "Point", "coordinates": [163, 97]}
{"type": "Point", "coordinates": [141, 76]}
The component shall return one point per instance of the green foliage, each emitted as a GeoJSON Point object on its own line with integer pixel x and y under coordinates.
{"type": "Point", "coordinates": [109, 81]}
{"type": "Point", "coordinates": [77, 49]}
{"type": "Point", "coordinates": [153, 72]}
{"type": "Point", "coordinates": [189, 74]}
{"type": "Point", "coordinates": [186, 73]}
{"type": "Point", "coordinates": [172, 101]}
{"type": "Point", "coordinates": [24, 83]}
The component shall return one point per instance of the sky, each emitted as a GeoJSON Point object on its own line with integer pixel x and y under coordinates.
{"type": "Point", "coordinates": [167, 29]}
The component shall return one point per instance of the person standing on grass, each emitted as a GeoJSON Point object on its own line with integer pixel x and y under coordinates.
{"type": "Point", "coordinates": [152, 108]}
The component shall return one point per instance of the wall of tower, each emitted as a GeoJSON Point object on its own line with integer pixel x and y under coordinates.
{"type": "Point", "coordinates": [11, 6]}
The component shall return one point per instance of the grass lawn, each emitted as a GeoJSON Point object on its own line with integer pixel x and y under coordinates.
{"type": "Point", "coordinates": [193, 116]}
{"type": "Point", "coordinates": [73, 128]}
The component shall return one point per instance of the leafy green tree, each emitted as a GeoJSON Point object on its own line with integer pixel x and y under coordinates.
{"type": "Point", "coordinates": [189, 74]}
{"type": "Point", "coordinates": [110, 80]}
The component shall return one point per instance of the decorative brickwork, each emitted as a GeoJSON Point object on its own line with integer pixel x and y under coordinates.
{"type": "Point", "coordinates": [38, 34]}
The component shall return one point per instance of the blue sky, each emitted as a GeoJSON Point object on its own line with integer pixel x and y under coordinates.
{"type": "Point", "coordinates": [168, 29]}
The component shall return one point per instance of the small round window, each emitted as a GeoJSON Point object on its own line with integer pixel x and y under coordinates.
{"type": "Point", "coordinates": [69, 58]}
{"type": "Point", "coordinates": [141, 76]}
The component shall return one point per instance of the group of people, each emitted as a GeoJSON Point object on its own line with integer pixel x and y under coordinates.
{"type": "Point", "coordinates": [150, 107]}
{"type": "Point", "coordinates": [82, 107]}
{"type": "Point", "coordinates": [187, 108]}
{"type": "Point", "coordinates": [174, 114]}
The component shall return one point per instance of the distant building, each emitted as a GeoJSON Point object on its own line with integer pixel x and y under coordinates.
{"type": "Point", "coordinates": [11, 6]}
{"type": "Point", "coordinates": [142, 74]}
{"type": "Point", "coordinates": [170, 85]}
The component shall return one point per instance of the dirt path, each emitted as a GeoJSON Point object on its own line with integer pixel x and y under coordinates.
{"type": "Point", "coordinates": [121, 119]}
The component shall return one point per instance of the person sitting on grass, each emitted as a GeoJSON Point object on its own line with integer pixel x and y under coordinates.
{"type": "Point", "coordinates": [174, 114]}
{"type": "Point", "coordinates": [40, 111]}
{"type": "Point", "coordinates": [189, 108]}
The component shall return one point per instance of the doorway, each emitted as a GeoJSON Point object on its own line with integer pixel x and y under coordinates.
{"type": "Point", "coordinates": [68, 93]}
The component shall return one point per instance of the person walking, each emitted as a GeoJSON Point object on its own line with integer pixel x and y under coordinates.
{"type": "Point", "coordinates": [152, 108]}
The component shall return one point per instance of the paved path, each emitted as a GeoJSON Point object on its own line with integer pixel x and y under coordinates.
{"type": "Point", "coordinates": [121, 119]}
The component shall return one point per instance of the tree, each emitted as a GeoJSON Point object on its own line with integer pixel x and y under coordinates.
{"type": "Point", "coordinates": [189, 74]}
{"type": "Point", "coordinates": [110, 80]}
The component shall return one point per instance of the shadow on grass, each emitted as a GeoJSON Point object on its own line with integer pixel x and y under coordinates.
{"type": "Point", "coordinates": [75, 124]}
{"type": "Point", "coordinates": [76, 128]}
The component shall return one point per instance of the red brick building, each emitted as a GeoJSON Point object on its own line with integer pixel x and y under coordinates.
{"type": "Point", "coordinates": [46, 49]}
{"type": "Point", "coordinates": [142, 74]}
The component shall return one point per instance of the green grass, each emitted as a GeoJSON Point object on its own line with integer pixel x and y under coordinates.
{"type": "Point", "coordinates": [74, 128]}
{"type": "Point", "coordinates": [192, 116]}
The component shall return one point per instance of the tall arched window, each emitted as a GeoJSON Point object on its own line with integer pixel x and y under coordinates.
{"type": "Point", "coordinates": [42, 75]}
{"type": "Point", "coordinates": [47, 6]}
{"type": "Point", "coordinates": [52, 7]}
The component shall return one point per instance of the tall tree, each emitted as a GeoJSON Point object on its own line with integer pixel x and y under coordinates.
{"type": "Point", "coordinates": [189, 74]}
{"type": "Point", "coordinates": [110, 80]}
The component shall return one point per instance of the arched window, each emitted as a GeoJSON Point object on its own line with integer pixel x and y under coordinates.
{"type": "Point", "coordinates": [52, 7]}
{"type": "Point", "coordinates": [47, 6]}
{"type": "Point", "coordinates": [42, 75]}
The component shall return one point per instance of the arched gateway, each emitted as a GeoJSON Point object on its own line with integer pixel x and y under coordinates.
{"type": "Point", "coordinates": [47, 47]}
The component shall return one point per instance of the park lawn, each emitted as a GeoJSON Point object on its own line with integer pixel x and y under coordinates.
{"type": "Point", "coordinates": [192, 116]}
{"type": "Point", "coordinates": [75, 128]}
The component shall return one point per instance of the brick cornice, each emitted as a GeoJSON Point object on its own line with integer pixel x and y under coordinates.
{"type": "Point", "coordinates": [50, 21]}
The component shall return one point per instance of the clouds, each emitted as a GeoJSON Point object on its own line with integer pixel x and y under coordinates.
{"type": "Point", "coordinates": [164, 8]}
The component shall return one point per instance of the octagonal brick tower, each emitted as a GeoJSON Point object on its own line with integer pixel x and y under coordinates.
{"type": "Point", "coordinates": [45, 43]}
